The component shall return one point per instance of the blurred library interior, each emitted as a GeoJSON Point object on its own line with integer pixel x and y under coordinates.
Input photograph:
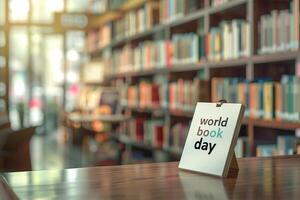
{"type": "Point", "coordinates": [111, 82]}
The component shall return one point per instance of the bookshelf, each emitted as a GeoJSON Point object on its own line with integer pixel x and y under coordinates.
{"type": "Point", "coordinates": [247, 61]}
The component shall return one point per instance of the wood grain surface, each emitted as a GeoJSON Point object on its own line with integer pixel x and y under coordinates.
{"type": "Point", "coordinates": [258, 178]}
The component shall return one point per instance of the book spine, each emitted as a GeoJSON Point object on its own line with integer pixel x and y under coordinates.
{"type": "Point", "coordinates": [278, 101]}
{"type": "Point", "coordinates": [296, 23]}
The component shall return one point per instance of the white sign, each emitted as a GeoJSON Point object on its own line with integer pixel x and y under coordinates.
{"type": "Point", "coordinates": [209, 147]}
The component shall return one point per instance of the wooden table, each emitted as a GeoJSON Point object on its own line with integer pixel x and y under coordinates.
{"type": "Point", "coordinates": [258, 178]}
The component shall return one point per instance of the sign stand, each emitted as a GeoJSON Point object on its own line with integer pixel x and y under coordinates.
{"type": "Point", "coordinates": [210, 143]}
{"type": "Point", "coordinates": [233, 167]}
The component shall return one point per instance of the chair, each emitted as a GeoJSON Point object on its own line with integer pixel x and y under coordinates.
{"type": "Point", "coordinates": [14, 147]}
{"type": "Point", "coordinates": [4, 122]}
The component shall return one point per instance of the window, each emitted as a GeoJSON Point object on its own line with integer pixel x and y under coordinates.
{"type": "Point", "coordinates": [42, 11]}
{"type": "Point", "coordinates": [19, 88]}
{"type": "Point", "coordinates": [2, 12]}
{"type": "Point", "coordinates": [77, 5]}
{"type": "Point", "coordinates": [18, 10]}
{"type": "Point", "coordinates": [18, 49]}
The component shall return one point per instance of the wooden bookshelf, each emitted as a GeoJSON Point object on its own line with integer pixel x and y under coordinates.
{"type": "Point", "coordinates": [229, 63]}
{"type": "Point", "coordinates": [211, 17]}
{"type": "Point", "coordinates": [256, 59]}
{"type": "Point", "coordinates": [158, 111]}
{"type": "Point", "coordinates": [180, 113]}
{"type": "Point", "coordinates": [187, 67]}
{"type": "Point", "coordinates": [274, 124]}
{"type": "Point", "coordinates": [103, 18]}
{"type": "Point", "coordinates": [186, 19]}
{"type": "Point", "coordinates": [251, 122]}
{"type": "Point", "coordinates": [275, 57]}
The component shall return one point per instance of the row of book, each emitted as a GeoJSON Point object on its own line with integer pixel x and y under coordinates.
{"type": "Point", "coordinates": [98, 39]}
{"type": "Point", "coordinates": [174, 9]}
{"type": "Point", "coordinates": [122, 60]}
{"type": "Point", "coordinates": [136, 21]}
{"type": "Point", "coordinates": [177, 135]}
{"type": "Point", "coordinates": [88, 98]}
{"type": "Point", "coordinates": [182, 49]}
{"type": "Point", "coordinates": [185, 48]}
{"type": "Point", "coordinates": [231, 39]}
{"type": "Point", "coordinates": [180, 95]}
{"type": "Point", "coordinates": [156, 134]}
{"type": "Point", "coordinates": [285, 145]}
{"type": "Point", "coordinates": [146, 95]}
{"type": "Point", "coordinates": [146, 55]}
{"type": "Point", "coordinates": [264, 98]}
{"type": "Point", "coordinates": [98, 100]}
{"type": "Point", "coordinates": [148, 132]}
{"type": "Point", "coordinates": [242, 148]}
{"type": "Point", "coordinates": [151, 54]}
{"type": "Point", "coordinates": [279, 30]}
{"type": "Point", "coordinates": [184, 94]}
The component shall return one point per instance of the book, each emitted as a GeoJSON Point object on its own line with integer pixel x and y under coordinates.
{"type": "Point", "coordinates": [296, 10]}
{"type": "Point", "coordinates": [109, 101]}
{"type": "Point", "coordinates": [171, 10]}
{"type": "Point", "coordinates": [146, 95]}
{"type": "Point", "coordinates": [242, 147]}
{"type": "Point", "coordinates": [279, 30]}
{"type": "Point", "coordinates": [145, 56]}
{"type": "Point", "coordinates": [266, 150]}
{"type": "Point", "coordinates": [184, 94]}
{"type": "Point", "coordinates": [136, 21]}
{"type": "Point", "coordinates": [286, 145]}
{"type": "Point", "coordinates": [230, 40]}
{"type": "Point", "coordinates": [185, 48]}
{"type": "Point", "coordinates": [149, 132]}
{"type": "Point", "coordinates": [278, 101]}
{"type": "Point", "coordinates": [98, 38]}
{"type": "Point", "coordinates": [177, 136]}
{"type": "Point", "coordinates": [263, 98]}
{"type": "Point", "coordinates": [89, 97]}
